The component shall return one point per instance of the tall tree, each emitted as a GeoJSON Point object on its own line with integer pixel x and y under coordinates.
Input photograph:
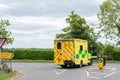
{"type": "Point", "coordinates": [78, 29]}
{"type": "Point", "coordinates": [4, 32]}
{"type": "Point", "coordinates": [109, 17]}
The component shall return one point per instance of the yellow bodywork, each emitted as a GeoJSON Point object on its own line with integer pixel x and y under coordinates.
{"type": "Point", "coordinates": [75, 50]}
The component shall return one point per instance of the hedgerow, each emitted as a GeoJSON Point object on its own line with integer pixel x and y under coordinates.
{"type": "Point", "coordinates": [32, 54]}
{"type": "Point", "coordinates": [116, 54]}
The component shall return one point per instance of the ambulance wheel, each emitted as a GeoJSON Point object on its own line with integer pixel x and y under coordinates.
{"type": "Point", "coordinates": [80, 64]}
{"type": "Point", "coordinates": [91, 62]}
{"type": "Point", "coordinates": [70, 64]}
{"type": "Point", "coordinates": [63, 66]}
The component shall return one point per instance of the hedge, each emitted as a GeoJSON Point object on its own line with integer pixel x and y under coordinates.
{"type": "Point", "coordinates": [32, 54]}
{"type": "Point", "coordinates": [116, 55]}
{"type": "Point", "coordinates": [45, 54]}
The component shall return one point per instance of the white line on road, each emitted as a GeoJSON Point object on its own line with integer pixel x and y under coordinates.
{"type": "Point", "coordinates": [112, 69]}
{"type": "Point", "coordinates": [59, 71]}
{"type": "Point", "coordinates": [109, 74]}
{"type": "Point", "coordinates": [87, 74]}
{"type": "Point", "coordinates": [94, 77]}
{"type": "Point", "coordinates": [99, 72]}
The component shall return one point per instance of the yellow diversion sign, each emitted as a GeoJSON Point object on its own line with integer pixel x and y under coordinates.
{"type": "Point", "coordinates": [6, 55]}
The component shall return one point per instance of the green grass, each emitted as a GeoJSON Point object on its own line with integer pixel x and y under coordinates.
{"type": "Point", "coordinates": [51, 61]}
{"type": "Point", "coordinates": [113, 61]}
{"type": "Point", "coordinates": [4, 76]}
{"type": "Point", "coordinates": [108, 61]}
{"type": "Point", "coordinates": [43, 61]}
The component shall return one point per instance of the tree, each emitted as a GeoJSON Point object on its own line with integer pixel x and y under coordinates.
{"type": "Point", "coordinates": [99, 47]}
{"type": "Point", "coordinates": [78, 29]}
{"type": "Point", "coordinates": [109, 17]}
{"type": "Point", "coordinates": [108, 50]}
{"type": "Point", "coordinates": [4, 32]}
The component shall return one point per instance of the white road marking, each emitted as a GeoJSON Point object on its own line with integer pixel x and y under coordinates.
{"type": "Point", "coordinates": [93, 69]}
{"type": "Point", "coordinates": [112, 69]}
{"type": "Point", "coordinates": [99, 72]}
{"type": "Point", "coordinates": [109, 74]}
{"type": "Point", "coordinates": [87, 74]}
{"type": "Point", "coordinates": [94, 77]}
{"type": "Point", "coordinates": [59, 71]}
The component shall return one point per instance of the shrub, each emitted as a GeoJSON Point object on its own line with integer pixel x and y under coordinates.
{"type": "Point", "coordinates": [32, 54]}
{"type": "Point", "coordinates": [116, 54]}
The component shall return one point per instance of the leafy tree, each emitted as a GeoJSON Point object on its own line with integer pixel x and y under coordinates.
{"type": "Point", "coordinates": [108, 49]}
{"type": "Point", "coordinates": [78, 29]}
{"type": "Point", "coordinates": [4, 32]}
{"type": "Point", "coordinates": [109, 17]}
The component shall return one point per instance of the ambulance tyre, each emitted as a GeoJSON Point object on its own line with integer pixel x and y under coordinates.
{"type": "Point", "coordinates": [63, 66]}
{"type": "Point", "coordinates": [80, 64]}
{"type": "Point", "coordinates": [91, 62]}
{"type": "Point", "coordinates": [70, 64]}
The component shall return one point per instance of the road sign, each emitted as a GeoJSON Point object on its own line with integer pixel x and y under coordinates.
{"type": "Point", "coordinates": [100, 63]}
{"type": "Point", "coordinates": [2, 41]}
{"type": "Point", "coordinates": [6, 55]}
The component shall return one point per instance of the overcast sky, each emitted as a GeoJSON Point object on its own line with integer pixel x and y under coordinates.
{"type": "Point", "coordinates": [34, 23]}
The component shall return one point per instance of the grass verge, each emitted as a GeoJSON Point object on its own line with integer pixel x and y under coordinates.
{"type": "Point", "coordinates": [113, 61]}
{"type": "Point", "coordinates": [108, 61]}
{"type": "Point", "coordinates": [42, 61]}
{"type": "Point", "coordinates": [51, 61]}
{"type": "Point", "coordinates": [5, 76]}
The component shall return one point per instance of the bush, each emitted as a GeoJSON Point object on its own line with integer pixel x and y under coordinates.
{"type": "Point", "coordinates": [116, 54]}
{"type": "Point", "coordinates": [32, 54]}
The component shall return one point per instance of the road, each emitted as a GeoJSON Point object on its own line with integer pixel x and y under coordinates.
{"type": "Point", "coordinates": [49, 71]}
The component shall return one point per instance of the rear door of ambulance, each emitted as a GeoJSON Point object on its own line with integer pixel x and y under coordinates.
{"type": "Point", "coordinates": [58, 57]}
{"type": "Point", "coordinates": [68, 51]}
{"type": "Point", "coordinates": [63, 51]}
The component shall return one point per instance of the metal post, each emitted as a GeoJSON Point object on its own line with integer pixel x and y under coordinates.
{"type": "Point", "coordinates": [0, 58]}
{"type": "Point", "coordinates": [10, 65]}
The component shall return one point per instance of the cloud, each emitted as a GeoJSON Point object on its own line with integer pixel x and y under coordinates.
{"type": "Point", "coordinates": [35, 23]}
{"type": "Point", "coordinates": [54, 8]}
{"type": "Point", "coordinates": [37, 20]}
{"type": "Point", "coordinates": [31, 28]}
{"type": "Point", "coordinates": [92, 19]}
{"type": "Point", "coordinates": [3, 6]}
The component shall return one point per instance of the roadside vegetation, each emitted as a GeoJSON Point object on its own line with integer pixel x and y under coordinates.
{"type": "Point", "coordinates": [31, 54]}
{"type": "Point", "coordinates": [47, 55]}
{"type": "Point", "coordinates": [5, 76]}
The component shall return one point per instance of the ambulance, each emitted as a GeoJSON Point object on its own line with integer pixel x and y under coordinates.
{"type": "Point", "coordinates": [71, 53]}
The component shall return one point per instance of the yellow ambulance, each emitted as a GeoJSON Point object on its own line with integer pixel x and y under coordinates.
{"type": "Point", "coordinates": [71, 52]}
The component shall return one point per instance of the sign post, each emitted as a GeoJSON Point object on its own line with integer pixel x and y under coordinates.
{"type": "Point", "coordinates": [2, 41]}
{"type": "Point", "coordinates": [4, 56]}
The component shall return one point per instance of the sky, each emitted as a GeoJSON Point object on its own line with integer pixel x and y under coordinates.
{"type": "Point", "coordinates": [35, 23]}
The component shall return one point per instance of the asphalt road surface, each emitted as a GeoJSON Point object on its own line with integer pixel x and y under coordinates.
{"type": "Point", "coordinates": [49, 71]}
